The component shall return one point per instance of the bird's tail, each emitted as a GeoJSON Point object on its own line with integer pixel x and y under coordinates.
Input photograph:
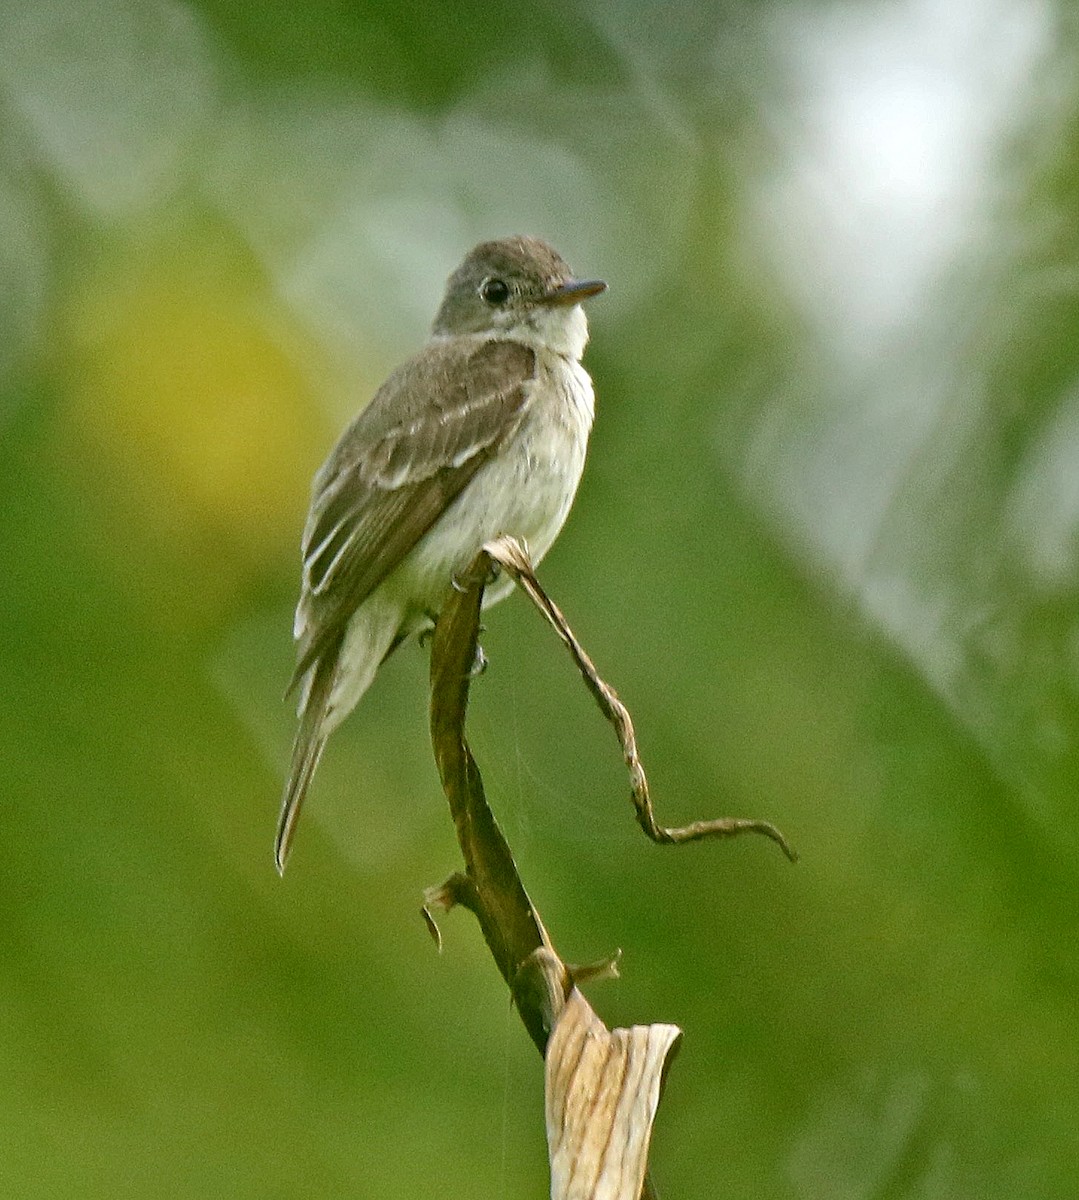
{"type": "Point", "coordinates": [331, 689]}
{"type": "Point", "coordinates": [306, 751]}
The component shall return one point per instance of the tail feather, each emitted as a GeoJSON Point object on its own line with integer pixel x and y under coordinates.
{"type": "Point", "coordinates": [306, 751]}
{"type": "Point", "coordinates": [331, 688]}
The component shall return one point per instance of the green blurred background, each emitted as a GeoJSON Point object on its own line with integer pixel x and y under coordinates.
{"type": "Point", "coordinates": [827, 548]}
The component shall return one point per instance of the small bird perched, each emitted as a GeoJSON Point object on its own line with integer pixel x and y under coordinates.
{"type": "Point", "coordinates": [482, 433]}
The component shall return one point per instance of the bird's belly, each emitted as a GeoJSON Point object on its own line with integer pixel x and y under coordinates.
{"type": "Point", "coordinates": [525, 491]}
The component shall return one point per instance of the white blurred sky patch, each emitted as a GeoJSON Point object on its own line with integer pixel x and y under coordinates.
{"type": "Point", "coordinates": [891, 127]}
{"type": "Point", "coordinates": [898, 115]}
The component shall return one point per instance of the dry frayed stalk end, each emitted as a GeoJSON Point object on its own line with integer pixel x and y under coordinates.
{"type": "Point", "coordinates": [601, 1086]}
{"type": "Point", "coordinates": [602, 1089]}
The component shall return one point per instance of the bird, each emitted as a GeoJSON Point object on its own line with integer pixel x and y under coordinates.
{"type": "Point", "coordinates": [482, 433]}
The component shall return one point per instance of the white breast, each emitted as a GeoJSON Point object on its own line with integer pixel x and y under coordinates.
{"type": "Point", "coordinates": [526, 491]}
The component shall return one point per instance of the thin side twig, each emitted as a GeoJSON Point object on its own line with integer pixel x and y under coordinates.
{"type": "Point", "coordinates": [510, 555]}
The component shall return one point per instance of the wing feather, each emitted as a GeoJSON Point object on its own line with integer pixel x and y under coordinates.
{"type": "Point", "coordinates": [396, 469]}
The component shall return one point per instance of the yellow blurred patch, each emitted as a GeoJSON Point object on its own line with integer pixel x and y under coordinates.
{"type": "Point", "coordinates": [191, 419]}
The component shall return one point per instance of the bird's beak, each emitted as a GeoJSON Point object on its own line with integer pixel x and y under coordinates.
{"type": "Point", "coordinates": [574, 291]}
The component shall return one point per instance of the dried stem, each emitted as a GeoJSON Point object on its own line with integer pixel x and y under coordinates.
{"type": "Point", "coordinates": [490, 886]}
{"type": "Point", "coordinates": [603, 1086]}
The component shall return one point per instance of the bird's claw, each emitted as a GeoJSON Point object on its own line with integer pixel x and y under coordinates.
{"type": "Point", "coordinates": [423, 638]}
{"type": "Point", "coordinates": [492, 574]}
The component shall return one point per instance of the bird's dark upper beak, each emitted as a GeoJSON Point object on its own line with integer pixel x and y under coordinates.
{"type": "Point", "coordinates": [574, 291]}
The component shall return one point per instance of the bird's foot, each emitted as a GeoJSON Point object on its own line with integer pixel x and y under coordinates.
{"type": "Point", "coordinates": [492, 574]}
{"type": "Point", "coordinates": [427, 632]}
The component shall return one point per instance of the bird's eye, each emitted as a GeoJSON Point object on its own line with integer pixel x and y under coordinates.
{"type": "Point", "coordinates": [494, 292]}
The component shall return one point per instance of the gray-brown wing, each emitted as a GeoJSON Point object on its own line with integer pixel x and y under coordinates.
{"type": "Point", "coordinates": [397, 468]}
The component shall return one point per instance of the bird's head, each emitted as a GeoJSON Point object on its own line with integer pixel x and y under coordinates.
{"type": "Point", "coordinates": [518, 287]}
